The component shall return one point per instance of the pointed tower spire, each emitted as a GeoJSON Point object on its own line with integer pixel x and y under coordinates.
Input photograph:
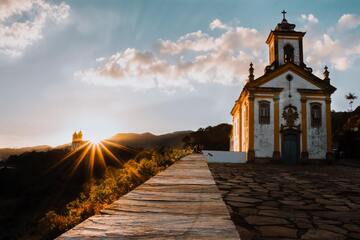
{"type": "Point", "coordinates": [326, 74]}
{"type": "Point", "coordinates": [251, 72]}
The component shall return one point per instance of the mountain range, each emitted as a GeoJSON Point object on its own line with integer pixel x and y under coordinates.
{"type": "Point", "coordinates": [135, 140]}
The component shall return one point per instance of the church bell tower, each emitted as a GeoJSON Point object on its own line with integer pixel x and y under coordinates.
{"type": "Point", "coordinates": [285, 45]}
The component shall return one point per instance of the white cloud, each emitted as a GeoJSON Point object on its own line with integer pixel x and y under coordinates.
{"type": "Point", "coordinates": [195, 57]}
{"type": "Point", "coordinates": [310, 18]}
{"type": "Point", "coordinates": [195, 41]}
{"type": "Point", "coordinates": [144, 70]}
{"type": "Point", "coordinates": [340, 52]}
{"type": "Point", "coordinates": [217, 24]}
{"type": "Point", "coordinates": [349, 21]}
{"type": "Point", "coordinates": [215, 57]}
{"type": "Point", "coordinates": [16, 34]}
{"type": "Point", "coordinates": [235, 38]}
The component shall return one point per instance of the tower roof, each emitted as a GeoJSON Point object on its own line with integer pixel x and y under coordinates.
{"type": "Point", "coordinates": [284, 28]}
{"type": "Point", "coordinates": [284, 25]}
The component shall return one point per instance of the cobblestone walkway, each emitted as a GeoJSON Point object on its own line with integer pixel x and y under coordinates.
{"type": "Point", "coordinates": [291, 202]}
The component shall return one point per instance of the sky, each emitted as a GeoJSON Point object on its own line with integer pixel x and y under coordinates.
{"type": "Point", "coordinates": [157, 66]}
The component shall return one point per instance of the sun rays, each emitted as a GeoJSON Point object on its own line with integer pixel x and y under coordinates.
{"type": "Point", "coordinates": [94, 154]}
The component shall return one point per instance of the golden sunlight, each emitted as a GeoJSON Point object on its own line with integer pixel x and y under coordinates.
{"type": "Point", "coordinates": [92, 152]}
{"type": "Point", "coordinates": [95, 139]}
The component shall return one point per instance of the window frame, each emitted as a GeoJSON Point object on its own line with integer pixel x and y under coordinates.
{"type": "Point", "coordinates": [316, 122]}
{"type": "Point", "coordinates": [289, 50]}
{"type": "Point", "coordinates": [264, 112]}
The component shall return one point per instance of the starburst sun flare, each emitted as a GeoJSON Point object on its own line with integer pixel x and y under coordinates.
{"type": "Point", "coordinates": [94, 152]}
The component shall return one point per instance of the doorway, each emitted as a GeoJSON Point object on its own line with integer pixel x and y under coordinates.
{"type": "Point", "coordinates": [290, 147]}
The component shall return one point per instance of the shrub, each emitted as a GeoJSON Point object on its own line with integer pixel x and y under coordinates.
{"type": "Point", "coordinates": [116, 182]}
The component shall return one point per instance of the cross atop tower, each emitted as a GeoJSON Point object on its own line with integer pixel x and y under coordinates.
{"type": "Point", "coordinates": [284, 13]}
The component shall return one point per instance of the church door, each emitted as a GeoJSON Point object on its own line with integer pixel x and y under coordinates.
{"type": "Point", "coordinates": [290, 147]}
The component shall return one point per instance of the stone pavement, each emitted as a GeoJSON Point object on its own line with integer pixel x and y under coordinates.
{"type": "Point", "coordinates": [291, 202]}
{"type": "Point", "coordinates": [181, 202]}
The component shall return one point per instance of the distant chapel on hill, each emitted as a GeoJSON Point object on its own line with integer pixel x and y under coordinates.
{"type": "Point", "coordinates": [284, 115]}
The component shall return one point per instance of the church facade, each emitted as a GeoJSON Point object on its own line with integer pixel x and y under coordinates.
{"type": "Point", "coordinates": [285, 114]}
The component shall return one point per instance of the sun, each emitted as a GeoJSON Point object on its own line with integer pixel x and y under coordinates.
{"type": "Point", "coordinates": [94, 139]}
{"type": "Point", "coordinates": [94, 150]}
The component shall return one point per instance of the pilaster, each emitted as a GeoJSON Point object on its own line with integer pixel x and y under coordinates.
{"type": "Point", "coordinates": [276, 153]}
{"type": "Point", "coordinates": [251, 152]}
{"type": "Point", "coordinates": [240, 127]}
{"type": "Point", "coordinates": [304, 144]}
{"type": "Point", "coordinates": [329, 151]}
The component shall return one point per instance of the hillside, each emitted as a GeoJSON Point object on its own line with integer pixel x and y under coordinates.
{"type": "Point", "coordinates": [149, 140]}
{"type": "Point", "coordinates": [6, 152]}
{"type": "Point", "coordinates": [210, 138]}
{"type": "Point", "coordinates": [33, 183]}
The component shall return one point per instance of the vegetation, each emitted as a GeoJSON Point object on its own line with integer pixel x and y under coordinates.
{"type": "Point", "coordinates": [48, 200]}
{"type": "Point", "coordinates": [351, 97]}
{"type": "Point", "coordinates": [210, 138]}
{"type": "Point", "coordinates": [346, 132]}
{"type": "Point", "coordinates": [115, 183]}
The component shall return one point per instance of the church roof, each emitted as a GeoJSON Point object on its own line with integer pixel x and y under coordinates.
{"type": "Point", "coordinates": [307, 75]}
{"type": "Point", "coordinates": [268, 76]}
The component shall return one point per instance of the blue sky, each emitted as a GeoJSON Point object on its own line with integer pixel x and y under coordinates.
{"type": "Point", "coordinates": [159, 66]}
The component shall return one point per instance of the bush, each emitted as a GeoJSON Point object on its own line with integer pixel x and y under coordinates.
{"type": "Point", "coordinates": [100, 193]}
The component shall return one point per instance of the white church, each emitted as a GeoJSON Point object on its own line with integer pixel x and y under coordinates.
{"type": "Point", "coordinates": [284, 115]}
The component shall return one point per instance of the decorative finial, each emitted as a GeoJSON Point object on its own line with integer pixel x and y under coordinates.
{"type": "Point", "coordinates": [251, 72]}
{"type": "Point", "coordinates": [284, 13]}
{"type": "Point", "coordinates": [326, 74]}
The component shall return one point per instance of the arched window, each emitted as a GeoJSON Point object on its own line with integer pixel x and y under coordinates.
{"type": "Point", "coordinates": [264, 112]}
{"type": "Point", "coordinates": [315, 114]}
{"type": "Point", "coordinates": [288, 53]}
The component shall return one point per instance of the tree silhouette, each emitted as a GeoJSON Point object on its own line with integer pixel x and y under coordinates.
{"type": "Point", "coordinates": [351, 97]}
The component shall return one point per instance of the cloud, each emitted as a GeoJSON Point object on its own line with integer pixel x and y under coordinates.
{"type": "Point", "coordinates": [235, 38]}
{"type": "Point", "coordinates": [334, 46]}
{"type": "Point", "coordinates": [22, 23]}
{"type": "Point", "coordinates": [144, 70]}
{"type": "Point", "coordinates": [220, 57]}
{"type": "Point", "coordinates": [194, 58]}
{"type": "Point", "coordinates": [349, 21]}
{"type": "Point", "coordinates": [195, 41]}
{"type": "Point", "coordinates": [310, 18]}
{"type": "Point", "coordinates": [217, 24]}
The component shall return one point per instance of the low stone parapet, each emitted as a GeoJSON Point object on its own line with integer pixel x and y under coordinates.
{"type": "Point", "coordinates": [181, 202]}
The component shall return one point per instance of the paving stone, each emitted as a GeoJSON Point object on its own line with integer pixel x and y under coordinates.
{"type": "Point", "coordinates": [245, 233]}
{"type": "Point", "coordinates": [242, 199]}
{"type": "Point", "coordinates": [352, 227]}
{"type": "Point", "coordinates": [265, 207]}
{"type": "Point", "coordinates": [303, 223]}
{"type": "Point", "coordinates": [270, 203]}
{"type": "Point", "coordinates": [337, 208]}
{"type": "Point", "coordinates": [319, 202]}
{"type": "Point", "coordinates": [238, 204]}
{"type": "Point", "coordinates": [262, 220]}
{"type": "Point", "coordinates": [292, 203]}
{"type": "Point", "coordinates": [283, 214]}
{"type": "Point", "coordinates": [354, 235]}
{"type": "Point", "coordinates": [277, 231]}
{"type": "Point", "coordinates": [327, 202]}
{"type": "Point", "coordinates": [320, 234]}
{"type": "Point", "coordinates": [332, 228]}
{"type": "Point", "coordinates": [247, 211]}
